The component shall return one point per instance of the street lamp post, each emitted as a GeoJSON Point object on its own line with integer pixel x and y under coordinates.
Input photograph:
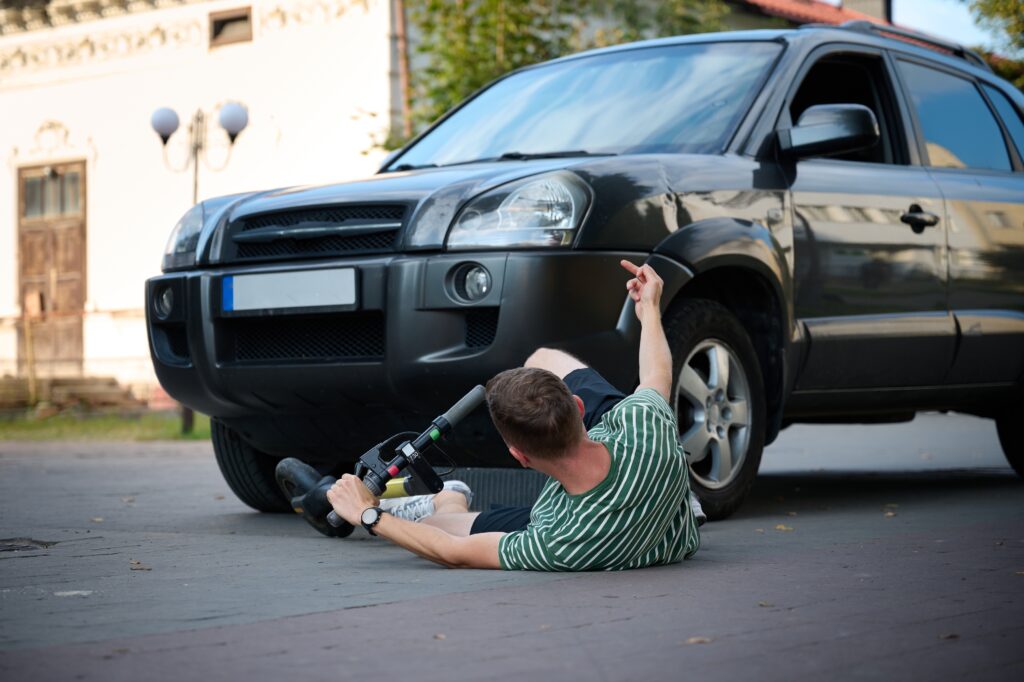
{"type": "Point", "coordinates": [233, 119]}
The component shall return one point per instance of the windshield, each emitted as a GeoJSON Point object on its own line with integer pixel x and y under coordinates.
{"type": "Point", "coordinates": [679, 98]}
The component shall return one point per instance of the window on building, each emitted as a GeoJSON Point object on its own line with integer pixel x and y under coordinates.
{"type": "Point", "coordinates": [50, 193]}
{"type": "Point", "coordinates": [958, 127]}
{"type": "Point", "coordinates": [231, 26]}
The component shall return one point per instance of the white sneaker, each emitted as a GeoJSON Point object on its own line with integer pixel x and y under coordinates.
{"type": "Point", "coordinates": [698, 513]}
{"type": "Point", "coordinates": [418, 507]}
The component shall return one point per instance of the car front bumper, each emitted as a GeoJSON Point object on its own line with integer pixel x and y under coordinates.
{"type": "Point", "coordinates": [328, 383]}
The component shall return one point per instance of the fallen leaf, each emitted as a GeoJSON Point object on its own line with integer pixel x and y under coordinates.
{"type": "Point", "coordinates": [128, 500]}
{"type": "Point", "coordinates": [1000, 543]}
{"type": "Point", "coordinates": [97, 519]}
{"type": "Point", "coordinates": [765, 604]}
{"type": "Point", "coordinates": [759, 530]}
{"type": "Point", "coordinates": [889, 514]}
{"type": "Point", "coordinates": [783, 527]}
{"type": "Point", "coordinates": [698, 640]}
{"type": "Point", "coordinates": [949, 635]}
{"type": "Point", "coordinates": [440, 636]}
{"type": "Point", "coordinates": [218, 497]}
{"type": "Point", "coordinates": [136, 565]}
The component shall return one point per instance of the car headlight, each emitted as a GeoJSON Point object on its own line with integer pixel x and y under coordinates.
{"type": "Point", "coordinates": [181, 246]}
{"type": "Point", "coordinates": [543, 210]}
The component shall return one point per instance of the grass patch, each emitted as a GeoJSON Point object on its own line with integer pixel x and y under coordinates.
{"type": "Point", "coordinates": [93, 426]}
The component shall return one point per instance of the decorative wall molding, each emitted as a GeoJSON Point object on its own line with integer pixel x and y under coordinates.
{"type": "Point", "coordinates": [276, 16]}
{"type": "Point", "coordinates": [42, 15]}
{"type": "Point", "coordinates": [100, 47]}
{"type": "Point", "coordinates": [53, 142]}
{"type": "Point", "coordinates": [47, 54]}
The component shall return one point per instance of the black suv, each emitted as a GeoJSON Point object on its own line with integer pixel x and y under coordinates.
{"type": "Point", "coordinates": [838, 216]}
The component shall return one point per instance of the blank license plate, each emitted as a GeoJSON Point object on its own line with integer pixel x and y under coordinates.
{"type": "Point", "coordinates": [284, 290]}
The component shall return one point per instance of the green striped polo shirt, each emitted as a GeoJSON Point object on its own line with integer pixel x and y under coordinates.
{"type": "Point", "coordinates": [637, 516]}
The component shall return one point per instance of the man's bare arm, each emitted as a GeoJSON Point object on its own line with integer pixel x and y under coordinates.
{"type": "Point", "coordinates": [471, 551]}
{"type": "Point", "coordinates": [349, 497]}
{"type": "Point", "coordinates": [655, 355]}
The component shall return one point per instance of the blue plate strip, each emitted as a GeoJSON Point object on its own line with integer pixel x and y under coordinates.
{"type": "Point", "coordinates": [227, 287]}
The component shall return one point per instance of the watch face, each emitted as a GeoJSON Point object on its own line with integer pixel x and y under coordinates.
{"type": "Point", "coordinates": [369, 516]}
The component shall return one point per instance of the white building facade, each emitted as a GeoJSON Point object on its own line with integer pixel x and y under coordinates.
{"type": "Point", "coordinates": [88, 194]}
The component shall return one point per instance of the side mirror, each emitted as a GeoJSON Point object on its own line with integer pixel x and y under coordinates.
{"type": "Point", "coordinates": [830, 129]}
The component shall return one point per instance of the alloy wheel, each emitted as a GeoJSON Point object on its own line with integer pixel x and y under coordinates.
{"type": "Point", "coordinates": [712, 401]}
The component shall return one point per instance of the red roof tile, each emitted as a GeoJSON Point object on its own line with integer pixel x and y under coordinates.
{"type": "Point", "coordinates": [810, 11]}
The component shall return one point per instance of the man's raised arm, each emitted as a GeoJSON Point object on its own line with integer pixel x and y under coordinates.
{"type": "Point", "coordinates": [655, 357]}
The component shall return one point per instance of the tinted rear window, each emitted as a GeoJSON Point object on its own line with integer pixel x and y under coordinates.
{"type": "Point", "coordinates": [958, 126]}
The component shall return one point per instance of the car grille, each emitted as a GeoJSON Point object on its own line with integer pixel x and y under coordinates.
{"type": "Point", "coordinates": [379, 242]}
{"type": "Point", "coordinates": [343, 230]}
{"type": "Point", "coordinates": [481, 327]}
{"type": "Point", "coordinates": [346, 337]}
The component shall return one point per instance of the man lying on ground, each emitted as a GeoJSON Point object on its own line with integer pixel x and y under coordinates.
{"type": "Point", "coordinates": [617, 496]}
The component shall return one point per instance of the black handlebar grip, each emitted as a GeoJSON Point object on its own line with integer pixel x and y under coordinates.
{"type": "Point", "coordinates": [373, 484]}
{"type": "Point", "coordinates": [467, 404]}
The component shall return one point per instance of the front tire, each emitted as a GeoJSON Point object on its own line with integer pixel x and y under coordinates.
{"type": "Point", "coordinates": [1010, 426]}
{"type": "Point", "coordinates": [248, 472]}
{"type": "Point", "coordinates": [718, 396]}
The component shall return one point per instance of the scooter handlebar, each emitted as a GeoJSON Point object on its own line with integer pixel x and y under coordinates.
{"type": "Point", "coordinates": [466, 404]}
{"type": "Point", "coordinates": [453, 416]}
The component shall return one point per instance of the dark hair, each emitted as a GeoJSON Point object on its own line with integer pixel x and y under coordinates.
{"type": "Point", "coordinates": [534, 411]}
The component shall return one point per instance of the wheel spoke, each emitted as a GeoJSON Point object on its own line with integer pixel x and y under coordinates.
{"type": "Point", "coordinates": [695, 442]}
{"type": "Point", "coordinates": [719, 367]}
{"type": "Point", "coordinates": [739, 414]}
{"type": "Point", "coordinates": [723, 462]}
{"type": "Point", "coordinates": [691, 384]}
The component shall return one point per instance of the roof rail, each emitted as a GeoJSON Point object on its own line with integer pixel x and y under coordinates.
{"type": "Point", "coordinates": [906, 35]}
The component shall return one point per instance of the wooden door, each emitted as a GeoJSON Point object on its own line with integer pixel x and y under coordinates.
{"type": "Point", "coordinates": [51, 267]}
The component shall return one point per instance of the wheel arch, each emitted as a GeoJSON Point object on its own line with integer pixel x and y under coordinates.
{"type": "Point", "coordinates": [741, 265]}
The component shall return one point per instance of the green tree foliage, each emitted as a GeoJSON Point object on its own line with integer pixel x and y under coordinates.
{"type": "Point", "coordinates": [1004, 67]}
{"type": "Point", "coordinates": [1005, 17]}
{"type": "Point", "coordinates": [465, 44]}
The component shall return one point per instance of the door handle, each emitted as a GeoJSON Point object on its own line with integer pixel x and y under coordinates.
{"type": "Point", "coordinates": [918, 218]}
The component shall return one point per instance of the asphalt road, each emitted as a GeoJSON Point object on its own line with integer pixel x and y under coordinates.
{"type": "Point", "coordinates": [890, 551]}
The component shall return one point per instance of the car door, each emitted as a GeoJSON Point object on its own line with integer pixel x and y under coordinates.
{"type": "Point", "coordinates": [972, 136]}
{"type": "Point", "coordinates": [870, 272]}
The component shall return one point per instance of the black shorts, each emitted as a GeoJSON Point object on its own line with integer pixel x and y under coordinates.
{"type": "Point", "coordinates": [598, 397]}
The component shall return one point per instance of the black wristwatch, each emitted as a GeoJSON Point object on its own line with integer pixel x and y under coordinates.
{"type": "Point", "coordinates": [370, 518]}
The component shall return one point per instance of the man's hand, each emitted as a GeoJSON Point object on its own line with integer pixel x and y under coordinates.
{"type": "Point", "coordinates": [644, 289]}
{"type": "Point", "coordinates": [350, 498]}
{"type": "Point", "coordinates": [655, 356]}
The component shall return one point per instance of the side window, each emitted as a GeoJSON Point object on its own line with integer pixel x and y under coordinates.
{"type": "Point", "coordinates": [853, 79]}
{"type": "Point", "coordinates": [1010, 116]}
{"type": "Point", "coordinates": [957, 125]}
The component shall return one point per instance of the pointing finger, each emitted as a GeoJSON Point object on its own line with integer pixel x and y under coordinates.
{"type": "Point", "coordinates": [633, 269]}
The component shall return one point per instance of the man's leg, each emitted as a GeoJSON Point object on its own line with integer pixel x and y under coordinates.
{"type": "Point", "coordinates": [451, 513]}
{"type": "Point", "coordinates": [557, 362]}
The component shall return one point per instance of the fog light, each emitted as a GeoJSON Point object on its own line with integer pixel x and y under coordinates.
{"type": "Point", "coordinates": [165, 303]}
{"type": "Point", "coordinates": [476, 282]}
